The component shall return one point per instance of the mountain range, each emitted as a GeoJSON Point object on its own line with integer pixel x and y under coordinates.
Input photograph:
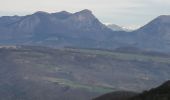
{"type": "Point", "coordinates": [62, 28]}
{"type": "Point", "coordinates": [81, 29]}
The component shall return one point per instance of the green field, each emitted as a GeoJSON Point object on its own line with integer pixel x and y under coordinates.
{"type": "Point", "coordinates": [64, 82]}
{"type": "Point", "coordinates": [125, 56]}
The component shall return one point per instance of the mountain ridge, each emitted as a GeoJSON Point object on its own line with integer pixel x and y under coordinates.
{"type": "Point", "coordinates": [81, 29]}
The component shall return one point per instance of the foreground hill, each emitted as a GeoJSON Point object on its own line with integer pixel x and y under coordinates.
{"type": "Point", "coordinates": [39, 73]}
{"type": "Point", "coordinates": [121, 95]}
{"type": "Point", "coordinates": [160, 93]}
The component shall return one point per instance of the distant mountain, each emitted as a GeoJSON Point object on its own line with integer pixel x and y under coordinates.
{"type": "Point", "coordinates": [155, 35]}
{"type": "Point", "coordinates": [160, 93]}
{"type": "Point", "coordinates": [118, 28]}
{"type": "Point", "coordinates": [83, 30]}
{"type": "Point", "coordinates": [157, 27]}
{"type": "Point", "coordinates": [115, 27]}
{"type": "Point", "coordinates": [62, 28]}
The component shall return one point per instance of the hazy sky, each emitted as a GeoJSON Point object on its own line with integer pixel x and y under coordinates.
{"type": "Point", "coordinates": [121, 12]}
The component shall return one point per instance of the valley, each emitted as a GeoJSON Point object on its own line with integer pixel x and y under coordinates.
{"type": "Point", "coordinates": [77, 73]}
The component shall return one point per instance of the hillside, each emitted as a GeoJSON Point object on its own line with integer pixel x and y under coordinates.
{"type": "Point", "coordinates": [120, 95]}
{"type": "Point", "coordinates": [160, 93]}
{"type": "Point", "coordinates": [27, 72]}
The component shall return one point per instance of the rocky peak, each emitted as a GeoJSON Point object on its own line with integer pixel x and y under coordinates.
{"type": "Point", "coordinates": [41, 13]}
{"type": "Point", "coordinates": [62, 14]}
{"type": "Point", "coordinates": [86, 11]}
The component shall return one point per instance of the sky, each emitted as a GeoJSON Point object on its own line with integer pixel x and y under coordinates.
{"type": "Point", "coordinates": [128, 13]}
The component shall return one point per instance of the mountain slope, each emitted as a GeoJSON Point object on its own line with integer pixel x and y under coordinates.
{"type": "Point", "coordinates": [157, 27]}
{"type": "Point", "coordinates": [121, 95]}
{"type": "Point", "coordinates": [155, 35]}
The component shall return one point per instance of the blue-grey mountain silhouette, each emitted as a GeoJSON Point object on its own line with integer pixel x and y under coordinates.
{"type": "Point", "coordinates": [81, 29]}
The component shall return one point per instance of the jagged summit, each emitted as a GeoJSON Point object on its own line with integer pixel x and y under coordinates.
{"type": "Point", "coordinates": [86, 11]}
{"type": "Point", "coordinates": [85, 16]}
{"type": "Point", "coordinates": [65, 14]}
{"type": "Point", "coordinates": [62, 14]}
{"type": "Point", "coordinates": [41, 13]}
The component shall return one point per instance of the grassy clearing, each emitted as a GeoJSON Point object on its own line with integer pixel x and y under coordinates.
{"type": "Point", "coordinates": [98, 89]}
{"type": "Point", "coordinates": [125, 56]}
